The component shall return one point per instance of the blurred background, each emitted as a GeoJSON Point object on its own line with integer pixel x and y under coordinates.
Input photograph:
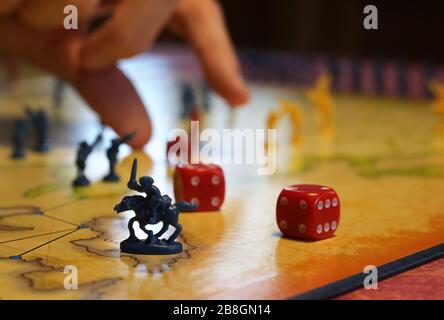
{"type": "Point", "coordinates": [408, 30]}
{"type": "Point", "coordinates": [291, 42]}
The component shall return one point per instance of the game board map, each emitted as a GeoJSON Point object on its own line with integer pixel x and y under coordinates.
{"type": "Point", "coordinates": [102, 225]}
{"type": "Point", "coordinates": [98, 226]}
{"type": "Point", "coordinates": [372, 158]}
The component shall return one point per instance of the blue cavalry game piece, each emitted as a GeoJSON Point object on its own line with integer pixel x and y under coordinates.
{"type": "Point", "coordinates": [152, 209]}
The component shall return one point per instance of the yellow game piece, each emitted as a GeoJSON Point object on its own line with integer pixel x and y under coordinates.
{"type": "Point", "coordinates": [437, 105]}
{"type": "Point", "coordinates": [438, 91]}
{"type": "Point", "coordinates": [293, 110]}
{"type": "Point", "coordinates": [321, 97]}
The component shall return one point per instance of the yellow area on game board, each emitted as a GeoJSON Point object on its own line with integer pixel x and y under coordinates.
{"type": "Point", "coordinates": [384, 159]}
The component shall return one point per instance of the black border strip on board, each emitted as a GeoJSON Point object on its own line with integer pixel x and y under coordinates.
{"type": "Point", "coordinates": [385, 271]}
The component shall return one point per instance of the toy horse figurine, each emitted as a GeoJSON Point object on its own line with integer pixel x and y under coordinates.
{"type": "Point", "coordinates": [152, 209]}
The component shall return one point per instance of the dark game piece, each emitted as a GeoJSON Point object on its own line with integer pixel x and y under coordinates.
{"type": "Point", "coordinates": [18, 137]}
{"type": "Point", "coordinates": [188, 100]}
{"type": "Point", "coordinates": [59, 89]}
{"type": "Point", "coordinates": [152, 209]}
{"type": "Point", "coordinates": [40, 122]}
{"type": "Point", "coordinates": [206, 96]}
{"type": "Point", "coordinates": [83, 153]}
{"type": "Point", "coordinates": [112, 153]}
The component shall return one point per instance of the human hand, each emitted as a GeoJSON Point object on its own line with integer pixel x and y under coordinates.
{"type": "Point", "coordinates": [31, 29]}
{"type": "Point", "coordinates": [137, 23]}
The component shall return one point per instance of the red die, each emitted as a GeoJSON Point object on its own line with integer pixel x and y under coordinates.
{"type": "Point", "coordinates": [201, 184]}
{"type": "Point", "coordinates": [309, 212]}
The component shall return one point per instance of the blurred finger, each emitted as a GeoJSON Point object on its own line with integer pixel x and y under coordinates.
{"type": "Point", "coordinates": [20, 41]}
{"type": "Point", "coordinates": [132, 29]}
{"type": "Point", "coordinates": [17, 40]}
{"type": "Point", "coordinates": [111, 94]}
{"type": "Point", "coordinates": [9, 6]}
{"type": "Point", "coordinates": [202, 23]}
{"type": "Point", "coordinates": [11, 68]}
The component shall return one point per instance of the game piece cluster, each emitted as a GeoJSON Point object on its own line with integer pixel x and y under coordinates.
{"type": "Point", "coordinates": [85, 149]}
{"type": "Point", "coordinates": [376, 77]}
{"type": "Point", "coordinates": [40, 123]}
{"type": "Point", "coordinates": [305, 212]}
{"type": "Point", "coordinates": [321, 98]}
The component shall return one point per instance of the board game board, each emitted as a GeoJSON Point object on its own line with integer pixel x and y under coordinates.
{"type": "Point", "coordinates": [383, 158]}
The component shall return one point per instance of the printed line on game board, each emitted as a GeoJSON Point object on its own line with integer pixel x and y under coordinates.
{"type": "Point", "coordinates": [61, 205]}
{"type": "Point", "coordinates": [37, 235]}
{"type": "Point", "coordinates": [44, 244]}
{"type": "Point", "coordinates": [62, 220]}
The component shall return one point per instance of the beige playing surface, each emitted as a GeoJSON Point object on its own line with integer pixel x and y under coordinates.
{"type": "Point", "coordinates": [382, 157]}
